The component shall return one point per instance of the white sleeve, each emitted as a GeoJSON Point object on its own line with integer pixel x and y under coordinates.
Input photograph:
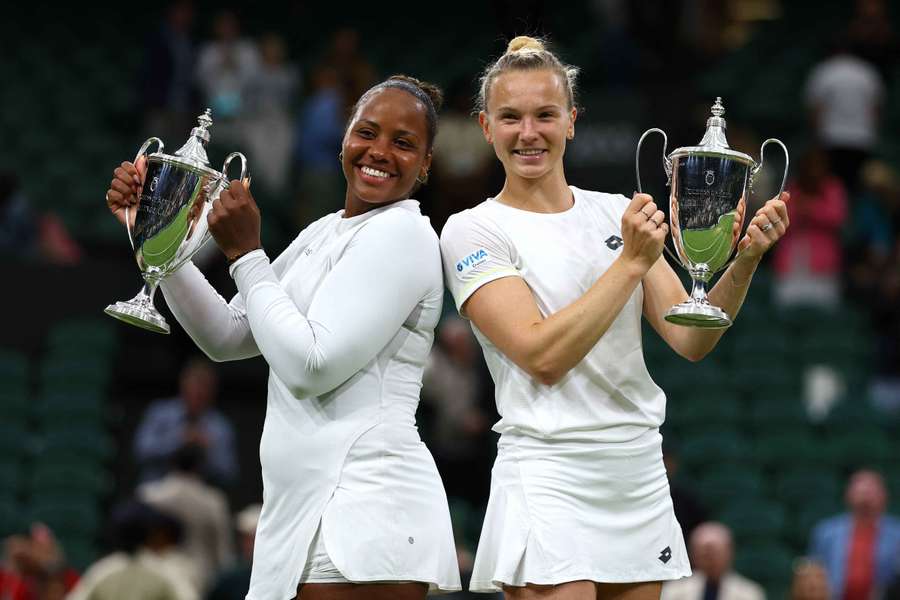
{"type": "Point", "coordinates": [474, 252]}
{"type": "Point", "coordinates": [219, 328]}
{"type": "Point", "coordinates": [385, 271]}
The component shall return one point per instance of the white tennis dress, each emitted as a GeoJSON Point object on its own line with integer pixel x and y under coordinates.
{"type": "Point", "coordinates": [578, 490]}
{"type": "Point", "coordinates": [345, 318]}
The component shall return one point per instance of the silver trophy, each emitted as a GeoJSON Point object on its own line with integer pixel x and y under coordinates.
{"type": "Point", "coordinates": [170, 226]}
{"type": "Point", "coordinates": [709, 184]}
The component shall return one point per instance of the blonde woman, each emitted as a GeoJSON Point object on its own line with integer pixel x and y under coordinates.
{"type": "Point", "coordinates": [555, 280]}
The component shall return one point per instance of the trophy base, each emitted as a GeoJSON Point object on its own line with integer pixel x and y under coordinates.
{"type": "Point", "coordinates": [693, 314]}
{"type": "Point", "coordinates": [138, 314]}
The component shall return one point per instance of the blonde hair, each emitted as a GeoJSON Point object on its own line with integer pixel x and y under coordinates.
{"type": "Point", "coordinates": [527, 53]}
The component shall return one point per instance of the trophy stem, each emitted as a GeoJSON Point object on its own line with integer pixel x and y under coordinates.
{"type": "Point", "coordinates": [139, 311]}
{"type": "Point", "coordinates": [698, 312]}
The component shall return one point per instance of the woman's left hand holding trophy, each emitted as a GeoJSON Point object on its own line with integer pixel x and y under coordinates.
{"type": "Point", "coordinates": [234, 221]}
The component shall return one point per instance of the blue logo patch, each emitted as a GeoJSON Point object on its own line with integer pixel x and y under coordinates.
{"type": "Point", "coordinates": [472, 260]}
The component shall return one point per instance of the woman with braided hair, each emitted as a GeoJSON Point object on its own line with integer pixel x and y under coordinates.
{"type": "Point", "coordinates": [353, 506]}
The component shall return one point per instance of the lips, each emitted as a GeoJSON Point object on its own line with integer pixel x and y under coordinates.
{"type": "Point", "coordinates": [373, 175]}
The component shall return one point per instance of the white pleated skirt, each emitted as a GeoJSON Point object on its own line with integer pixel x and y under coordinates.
{"type": "Point", "coordinates": [563, 511]}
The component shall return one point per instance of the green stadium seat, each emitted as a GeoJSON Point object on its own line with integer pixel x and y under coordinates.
{"type": "Point", "coordinates": [70, 372]}
{"type": "Point", "coordinates": [15, 441]}
{"type": "Point", "coordinates": [11, 518]}
{"type": "Point", "coordinates": [66, 515]}
{"type": "Point", "coordinates": [799, 487]}
{"type": "Point", "coordinates": [776, 413]}
{"type": "Point", "coordinates": [704, 449]}
{"type": "Point", "coordinates": [860, 448]}
{"type": "Point", "coordinates": [13, 370]}
{"type": "Point", "coordinates": [722, 487]}
{"type": "Point", "coordinates": [14, 406]}
{"type": "Point", "coordinates": [63, 410]}
{"type": "Point", "coordinates": [768, 563]}
{"type": "Point", "coordinates": [82, 478]}
{"type": "Point", "coordinates": [79, 336]}
{"type": "Point", "coordinates": [805, 517]}
{"type": "Point", "coordinates": [798, 448]}
{"type": "Point", "coordinates": [88, 443]}
{"type": "Point", "coordinates": [704, 410]}
{"type": "Point", "coordinates": [754, 519]}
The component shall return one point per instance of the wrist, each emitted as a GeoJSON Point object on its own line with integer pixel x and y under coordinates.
{"type": "Point", "coordinates": [238, 254]}
{"type": "Point", "coordinates": [742, 270]}
{"type": "Point", "coordinates": [633, 267]}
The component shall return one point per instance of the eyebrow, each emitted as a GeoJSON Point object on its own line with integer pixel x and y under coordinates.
{"type": "Point", "coordinates": [540, 108]}
{"type": "Point", "coordinates": [371, 123]}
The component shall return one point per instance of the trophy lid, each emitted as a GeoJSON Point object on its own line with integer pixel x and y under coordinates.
{"type": "Point", "coordinates": [194, 150]}
{"type": "Point", "coordinates": [714, 140]}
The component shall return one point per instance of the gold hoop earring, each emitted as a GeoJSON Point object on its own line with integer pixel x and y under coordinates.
{"type": "Point", "coordinates": [422, 180]}
{"type": "Point", "coordinates": [341, 156]}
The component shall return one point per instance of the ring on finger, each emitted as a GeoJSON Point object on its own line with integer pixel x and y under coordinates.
{"type": "Point", "coordinates": [766, 227]}
{"type": "Point", "coordinates": [775, 222]}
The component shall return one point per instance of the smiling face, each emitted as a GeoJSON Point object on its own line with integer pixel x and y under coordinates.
{"type": "Point", "coordinates": [384, 150]}
{"type": "Point", "coordinates": [528, 121]}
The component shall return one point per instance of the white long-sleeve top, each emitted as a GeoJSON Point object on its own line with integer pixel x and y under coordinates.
{"type": "Point", "coordinates": [345, 318]}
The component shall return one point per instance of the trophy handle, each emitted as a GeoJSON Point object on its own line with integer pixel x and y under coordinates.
{"type": "Point", "coordinates": [667, 167]}
{"type": "Point", "coordinates": [144, 147]}
{"type": "Point", "coordinates": [762, 158]}
{"type": "Point", "coordinates": [756, 169]}
{"type": "Point", "coordinates": [667, 164]}
{"type": "Point", "coordinates": [228, 160]}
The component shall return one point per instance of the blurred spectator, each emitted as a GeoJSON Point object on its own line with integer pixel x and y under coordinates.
{"type": "Point", "coordinates": [355, 73]}
{"type": "Point", "coordinates": [712, 553]}
{"type": "Point", "coordinates": [34, 567]}
{"type": "Point", "coordinates": [845, 94]}
{"type": "Point", "coordinates": [689, 509]}
{"type": "Point", "coordinates": [808, 259]}
{"type": "Point", "coordinates": [166, 92]}
{"type": "Point", "coordinates": [872, 34]}
{"type": "Point", "coordinates": [859, 549]}
{"type": "Point", "coordinates": [320, 129]}
{"type": "Point", "coordinates": [146, 564]}
{"type": "Point", "coordinates": [224, 69]}
{"type": "Point", "coordinates": [810, 582]}
{"type": "Point", "coordinates": [233, 583]}
{"type": "Point", "coordinates": [202, 510]}
{"type": "Point", "coordinates": [463, 160]}
{"type": "Point", "coordinates": [874, 222]}
{"type": "Point", "coordinates": [885, 306]}
{"type": "Point", "coordinates": [458, 432]}
{"type": "Point", "coordinates": [25, 234]}
{"type": "Point", "coordinates": [269, 98]}
{"type": "Point", "coordinates": [189, 418]}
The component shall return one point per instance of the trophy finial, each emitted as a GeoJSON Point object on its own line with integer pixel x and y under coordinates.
{"type": "Point", "coordinates": [205, 119]}
{"type": "Point", "coordinates": [717, 109]}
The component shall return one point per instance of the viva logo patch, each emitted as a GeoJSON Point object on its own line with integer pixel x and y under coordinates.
{"type": "Point", "coordinates": [472, 260]}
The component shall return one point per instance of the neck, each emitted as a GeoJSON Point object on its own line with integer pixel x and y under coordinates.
{"type": "Point", "coordinates": [353, 207]}
{"type": "Point", "coordinates": [547, 194]}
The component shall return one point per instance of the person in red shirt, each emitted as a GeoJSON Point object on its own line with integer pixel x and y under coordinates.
{"type": "Point", "coordinates": [34, 567]}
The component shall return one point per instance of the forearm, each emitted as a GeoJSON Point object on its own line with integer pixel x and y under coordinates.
{"type": "Point", "coordinates": [728, 294]}
{"type": "Point", "coordinates": [218, 328]}
{"type": "Point", "coordinates": [343, 328]}
{"type": "Point", "coordinates": [562, 340]}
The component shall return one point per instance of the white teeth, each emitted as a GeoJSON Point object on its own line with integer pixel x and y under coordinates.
{"type": "Point", "coordinates": [530, 152]}
{"type": "Point", "coordinates": [375, 172]}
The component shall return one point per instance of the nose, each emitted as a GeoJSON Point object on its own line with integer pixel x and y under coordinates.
{"type": "Point", "coordinates": [528, 132]}
{"type": "Point", "coordinates": [378, 149]}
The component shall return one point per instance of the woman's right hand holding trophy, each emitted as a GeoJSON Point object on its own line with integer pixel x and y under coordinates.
{"type": "Point", "coordinates": [125, 189]}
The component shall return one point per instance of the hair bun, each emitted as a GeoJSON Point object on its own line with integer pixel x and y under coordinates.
{"type": "Point", "coordinates": [524, 43]}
